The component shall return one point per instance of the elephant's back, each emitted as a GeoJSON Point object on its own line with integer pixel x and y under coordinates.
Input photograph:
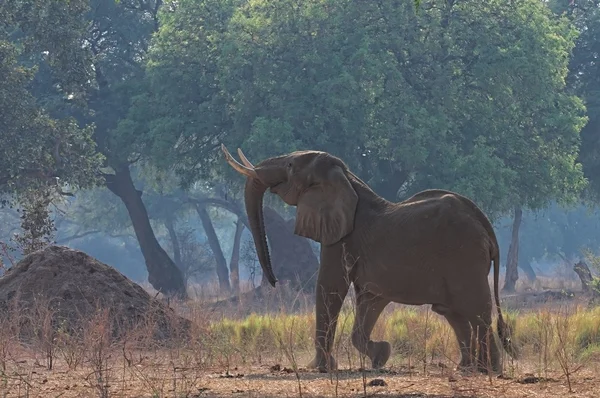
{"type": "Point", "coordinates": [417, 248]}
{"type": "Point", "coordinates": [447, 207]}
{"type": "Point", "coordinates": [444, 221]}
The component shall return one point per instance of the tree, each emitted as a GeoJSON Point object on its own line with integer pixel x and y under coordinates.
{"type": "Point", "coordinates": [42, 157]}
{"type": "Point", "coordinates": [95, 51]}
{"type": "Point", "coordinates": [584, 80]}
{"type": "Point", "coordinates": [467, 96]}
{"type": "Point", "coordinates": [534, 122]}
{"type": "Point", "coordinates": [39, 151]}
{"type": "Point", "coordinates": [442, 104]}
{"type": "Point", "coordinates": [547, 236]}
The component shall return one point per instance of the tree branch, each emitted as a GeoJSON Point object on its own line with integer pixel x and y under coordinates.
{"type": "Point", "coordinates": [223, 204]}
{"type": "Point", "coordinates": [77, 236]}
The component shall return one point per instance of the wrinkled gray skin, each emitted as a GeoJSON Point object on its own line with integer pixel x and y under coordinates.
{"type": "Point", "coordinates": [434, 248]}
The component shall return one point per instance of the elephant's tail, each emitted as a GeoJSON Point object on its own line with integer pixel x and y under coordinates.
{"type": "Point", "coordinates": [503, 329]}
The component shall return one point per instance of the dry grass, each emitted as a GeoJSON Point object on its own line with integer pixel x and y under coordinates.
{"type": "Point", "coordinates": [263, 355]}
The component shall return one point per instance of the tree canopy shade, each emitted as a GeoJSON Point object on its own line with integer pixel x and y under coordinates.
{"type": "Point", "coordinates": [38, 150]}
{"type": "Point", "coordinates": [584, 79]}
{"type": "Point", "coordinates": [90, 55]}
{"type": "Point", "coordinates": [468, 96]}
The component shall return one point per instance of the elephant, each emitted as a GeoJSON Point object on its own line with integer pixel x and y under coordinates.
{"type": "Point", "coordinates": [434, 248]}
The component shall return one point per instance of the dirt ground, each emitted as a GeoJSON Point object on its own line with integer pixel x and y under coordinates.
{"type": "Point", "coordinates": [73, 285]}
{"type": "Point", "coordinates": [271, 380]}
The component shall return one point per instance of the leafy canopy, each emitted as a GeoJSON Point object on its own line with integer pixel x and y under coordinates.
{"type": "Point", "coordinates": [468, 96]}
{"type": "Point", "coordinates": [38, 150]}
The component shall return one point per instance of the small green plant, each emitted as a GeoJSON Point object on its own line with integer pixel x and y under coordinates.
{"type": "Point", "coordinates": [37, 225]}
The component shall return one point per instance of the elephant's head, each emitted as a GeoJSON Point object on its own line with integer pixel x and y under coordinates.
{"type": "Point", "coordinates": [317, 183]}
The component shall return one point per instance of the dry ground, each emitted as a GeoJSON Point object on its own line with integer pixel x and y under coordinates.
{"type": "Point", "coordinates": [217, 364]}
{"type": "Point", "coordinates": [271, 381]}
{"type": "Point", "coordinates": [237, 352]}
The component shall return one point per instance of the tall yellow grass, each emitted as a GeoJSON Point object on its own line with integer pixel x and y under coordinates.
{"type": "Point", "coordinates": [561, 340]}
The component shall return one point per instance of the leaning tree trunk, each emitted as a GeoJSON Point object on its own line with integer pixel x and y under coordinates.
{"type": "Point", "coordinates": [512, 261]}
{"type": "Point", "coordinates": [215, 247]}
{"type": "Point", "coordinates": [163, 274]}
{"type": "Point", "coordinates": [528, 269]}
{"type": "Point", "coordinates": [234, 264]}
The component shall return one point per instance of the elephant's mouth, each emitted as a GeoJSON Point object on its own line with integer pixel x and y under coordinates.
{"type": "Point", "coordinates": [275, 188]}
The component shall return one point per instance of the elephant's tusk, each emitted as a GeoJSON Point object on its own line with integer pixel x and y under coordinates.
{"type": "Point", "coordinates": [248, 172]}
{"type": "Point", "coordinates": [245, 160]}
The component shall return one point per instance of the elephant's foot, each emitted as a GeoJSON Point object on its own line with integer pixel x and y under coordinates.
{"type": "Point", "coordinates": [466, 366]}
{"type": "Point", "coordinates": [469, 367]}
{"type": "Point", "coordinates": [487, 370]}
{"type": "Point", "coordinates": [381, 353]}
{"type": "Point", "coordinates": [322, 364]}
{"type": "Point", "coordinates": [467, 370]}
{"type": "Point", "coordinates": [484, 368]}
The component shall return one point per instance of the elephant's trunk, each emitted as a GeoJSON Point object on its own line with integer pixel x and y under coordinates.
{"type": "Point", "coordinates": [266, 174]}
{"type": "Point", "coordinates": [253, 198]}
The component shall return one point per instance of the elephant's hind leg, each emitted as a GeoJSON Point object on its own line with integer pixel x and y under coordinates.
{"type": "Point", "coordinates": [462, 330]}
{"type": "Point", "coordinates": [368, 309]}
{"type": "Point", "coordinates": [488, 357]}
{"type": "Point", "coordinates": [478, 310]}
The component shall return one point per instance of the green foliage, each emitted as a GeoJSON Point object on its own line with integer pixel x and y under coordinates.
{"type": "Point", "coordinates": [47, 31]}
{"type": "Point", "coordinates": [40, 154]}
{"type": "Point", "coordinates": [468, 96]}
{"type": "Point", "coordinates": [37, 225]}
{"type": "Point", "coordinates": [511, 105]}
{"type": "Point", "coordinates": [178, 115]}
{"type": "Point", "coordinates": [36, 149]}
{"type": "Point", "coordinates": [584, 80]}
{"type": "Point", "coordinates": [39, 151]}
{"type": "Point", "coordinates": [89, 56]}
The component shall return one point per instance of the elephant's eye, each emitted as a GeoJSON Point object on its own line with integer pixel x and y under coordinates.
{"type": "Point", "coordinates": [289, 165]}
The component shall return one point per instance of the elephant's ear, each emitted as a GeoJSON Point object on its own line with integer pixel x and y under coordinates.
{"type": "Point", "coordinates": [325, 211]}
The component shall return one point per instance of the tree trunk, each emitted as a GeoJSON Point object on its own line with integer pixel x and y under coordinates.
{"type": "Point", "coordinates": [215, 247]}
{"type": "Point", "coordinates": [163, 274]}
{"type": "Point", "coordinates": [584, 273]}
{"type": "Point", "coordinates": [526, 267]}
{"type": "Point", "coordinates": [234, 264]}
{"type": "Point", "coordinates": [170, 225]}
{"type": "Point", "coordinates": [292, 256]}
{"type": "Point", "coordinates": [512, 261]}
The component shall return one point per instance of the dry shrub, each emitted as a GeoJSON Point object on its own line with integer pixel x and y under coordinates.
{"type": "Point", "coordinates": [112, 354]}
{"type": "Point", "coordinates": [110, 363]}
{"type": "Point", "coordinates": [420, 335]}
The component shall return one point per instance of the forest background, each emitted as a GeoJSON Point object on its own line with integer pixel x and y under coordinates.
{"type": "Point", "coordinates": [112, 114]}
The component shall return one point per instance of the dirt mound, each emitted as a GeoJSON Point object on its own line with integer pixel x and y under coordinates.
{"type": "Point", "coordinates": [75, 287]}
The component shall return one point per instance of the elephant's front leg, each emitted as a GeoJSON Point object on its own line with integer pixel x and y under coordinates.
{"type": "Point", "coordinates": [332, 287]}
{"type": "Point", "coordinates": [368, 309]}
